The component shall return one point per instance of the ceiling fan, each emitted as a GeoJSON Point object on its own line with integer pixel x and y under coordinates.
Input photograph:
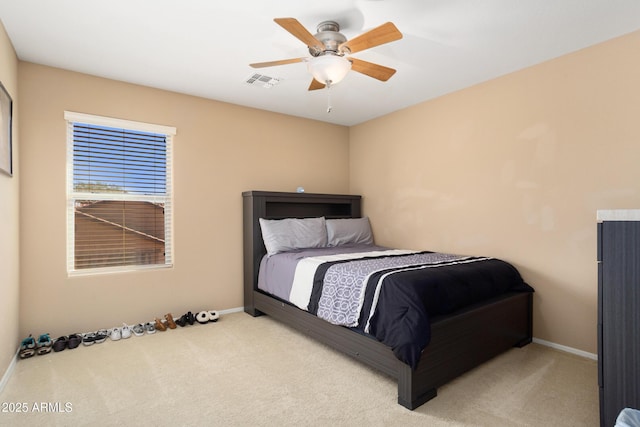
{"type": "Point", "coordinates": [330, 61]}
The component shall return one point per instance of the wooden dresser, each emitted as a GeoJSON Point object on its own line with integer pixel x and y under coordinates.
{"type": "Point", "coordinates": [618, 312]}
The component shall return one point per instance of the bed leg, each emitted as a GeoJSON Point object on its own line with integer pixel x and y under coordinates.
{"type": "Point", "coordinates": [529, 338]}
{"type": "Point", "coordinates": [413, 404]}
{"type": "Point", "coordinates": [408, 395]}
{"type": "Point", "coordinates": [252, 311]}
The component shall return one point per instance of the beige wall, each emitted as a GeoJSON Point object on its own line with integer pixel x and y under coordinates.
{"type": "Point", "coordinates": [220, 150]}
{"type": "Point", "coordinates": [9, 218]}
{"type": "Point", "coordinates": [515, 168]}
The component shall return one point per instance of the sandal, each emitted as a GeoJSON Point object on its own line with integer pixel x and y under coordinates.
{"type": "Point", "coordinates": [74, 341]}
{"type": "Point", "coordinates": [159, 325]}
{"type": "Point", "coordinates": [170, 321]}
{"type": "Point", "coordinates": [213, 316]}
{"type": "Point", "coordinates": [60, 343]}
{"type": "Point", "coordinates": [138, 330]}
{"type": "Point", "coordinates": [44, 344]}
{"type": "Point", "coordinates": [27, 347]}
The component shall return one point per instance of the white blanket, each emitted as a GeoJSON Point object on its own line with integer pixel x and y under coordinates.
{"type": "Point", "coordinates": [306, 270]}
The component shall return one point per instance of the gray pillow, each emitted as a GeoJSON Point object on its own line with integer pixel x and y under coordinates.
{"type": "Point", "coordinates": [349, 230]}
{"type": "Point", "coordinates": [280, 235]}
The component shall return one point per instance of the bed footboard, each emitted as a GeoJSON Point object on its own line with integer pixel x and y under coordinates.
{"type": "Point", "coordinates": [463, 341]}
{"type": "Point", "coordinates": [459, 342]}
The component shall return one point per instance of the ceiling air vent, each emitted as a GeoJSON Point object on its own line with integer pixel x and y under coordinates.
{"type": "Point", "coordinates": [262, 80]}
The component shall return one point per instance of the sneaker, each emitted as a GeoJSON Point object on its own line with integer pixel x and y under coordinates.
{"type": "Point", "coordinates": [74, 341]}
{"type": "Point", "coordinates": [60, 343]}
{"type": "Point", "coordinates": [27, 347]}
{"type": "Point", "coordinates": [44, 344]}
{"type": "Point", "coordinates": [89, 338]}
{"type": "Point", "coordinates": [116, 334]}
{"type": "Point", "coordinates": [101, 336]}
{"type": "Point", "coordinates": [150, 328]}
{"type": "Point", "coordinates": [138, 330]}
{"type": "Point", "coordinates": [126, 331]}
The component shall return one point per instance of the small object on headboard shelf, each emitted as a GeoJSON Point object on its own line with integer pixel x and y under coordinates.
{"type": "Point", "coordinates": [300, 190]}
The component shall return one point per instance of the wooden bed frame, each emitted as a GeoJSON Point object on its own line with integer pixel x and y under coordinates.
{"type": "Point", "coordinates": [460, 341]}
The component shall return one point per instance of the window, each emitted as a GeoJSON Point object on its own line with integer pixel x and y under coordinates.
{"type": "Point", "coordinates": [118, 194]}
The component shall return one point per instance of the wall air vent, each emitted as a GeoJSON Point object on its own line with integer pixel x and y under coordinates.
{"type": "Point", "coordinates": [256, 79]}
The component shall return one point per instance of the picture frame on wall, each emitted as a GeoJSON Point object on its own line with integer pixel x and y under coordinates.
{"type": "Point", "coordinates": [6, 114]}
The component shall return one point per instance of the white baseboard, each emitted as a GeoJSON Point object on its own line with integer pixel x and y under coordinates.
{"type": "Point", "coordinates": [8, 372]}
{"type": "Point", "coordinates": [567, 349]}
{"type": "Point", "coordinates": [232, 310]}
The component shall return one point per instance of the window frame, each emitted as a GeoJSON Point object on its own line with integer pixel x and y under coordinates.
{"type": "Point", "coordinates": [71, 195]}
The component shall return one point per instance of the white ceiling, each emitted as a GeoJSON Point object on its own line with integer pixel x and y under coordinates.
{"type": "Point", "coordinates": [203, 47]}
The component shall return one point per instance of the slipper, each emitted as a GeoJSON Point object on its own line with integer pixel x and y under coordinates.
{"type": "Point", "coordinates": [60, 343]}
{"type": "Point", "coordinates": [74, 341]}
{"type": "Point", "coordinates": [213, 316]}
{"type": "Point", "coordinates": [202, 317]}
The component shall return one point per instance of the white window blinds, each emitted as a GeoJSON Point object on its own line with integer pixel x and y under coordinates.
{"type": "Point", "coordinates": [119, 194]}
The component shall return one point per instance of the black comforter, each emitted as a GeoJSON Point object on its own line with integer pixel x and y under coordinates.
{"type": "Point", "coordinates": [409, 297]}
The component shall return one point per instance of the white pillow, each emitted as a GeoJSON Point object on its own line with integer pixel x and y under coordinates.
{"type": "Point", "coordinates": [349, 230]}
{"type": "Point", "coordinates": [280, 235]}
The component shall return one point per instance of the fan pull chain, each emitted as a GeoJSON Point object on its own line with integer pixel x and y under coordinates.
{"type": "Point", "coordinates": [329, 106]}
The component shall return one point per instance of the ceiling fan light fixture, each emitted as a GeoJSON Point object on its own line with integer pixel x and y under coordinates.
{"type": "Point", "coordinates": [329, 69]}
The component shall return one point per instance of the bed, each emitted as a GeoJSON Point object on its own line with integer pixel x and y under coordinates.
{"type": "Point", "coordinates": [459, 341]}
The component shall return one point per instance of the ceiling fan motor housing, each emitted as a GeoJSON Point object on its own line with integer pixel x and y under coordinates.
{"type": "Point", "coordinates": [329, 35]}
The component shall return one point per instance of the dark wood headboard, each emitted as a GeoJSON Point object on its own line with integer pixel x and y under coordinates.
{"type": "Point", "coordinates": [276, 205]}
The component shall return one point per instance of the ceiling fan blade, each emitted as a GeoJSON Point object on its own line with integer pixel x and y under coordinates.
{"type": "Point", "coordinates": [372, 70]}
{"type": "Point", "coordinates": [385, 33]}
{"type": "Point", "coordinates": [280, 62]}
{"type": "Point", "coordinates": [316, 85]}
{"type": "Point", "coordinates": [300, 32]}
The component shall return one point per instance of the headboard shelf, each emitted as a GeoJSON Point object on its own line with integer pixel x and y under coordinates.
{"type": "Point", "coordinates": [276, 205]}
{"type": "Point", "coordinates": [279, 205]}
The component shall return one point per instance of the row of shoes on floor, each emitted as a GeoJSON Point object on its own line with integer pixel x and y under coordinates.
{"type": "Point", "coordinates": [44, 344]}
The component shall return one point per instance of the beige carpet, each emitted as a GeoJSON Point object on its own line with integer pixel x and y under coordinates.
{"type": "Point", "coordinates": [255, 371]}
